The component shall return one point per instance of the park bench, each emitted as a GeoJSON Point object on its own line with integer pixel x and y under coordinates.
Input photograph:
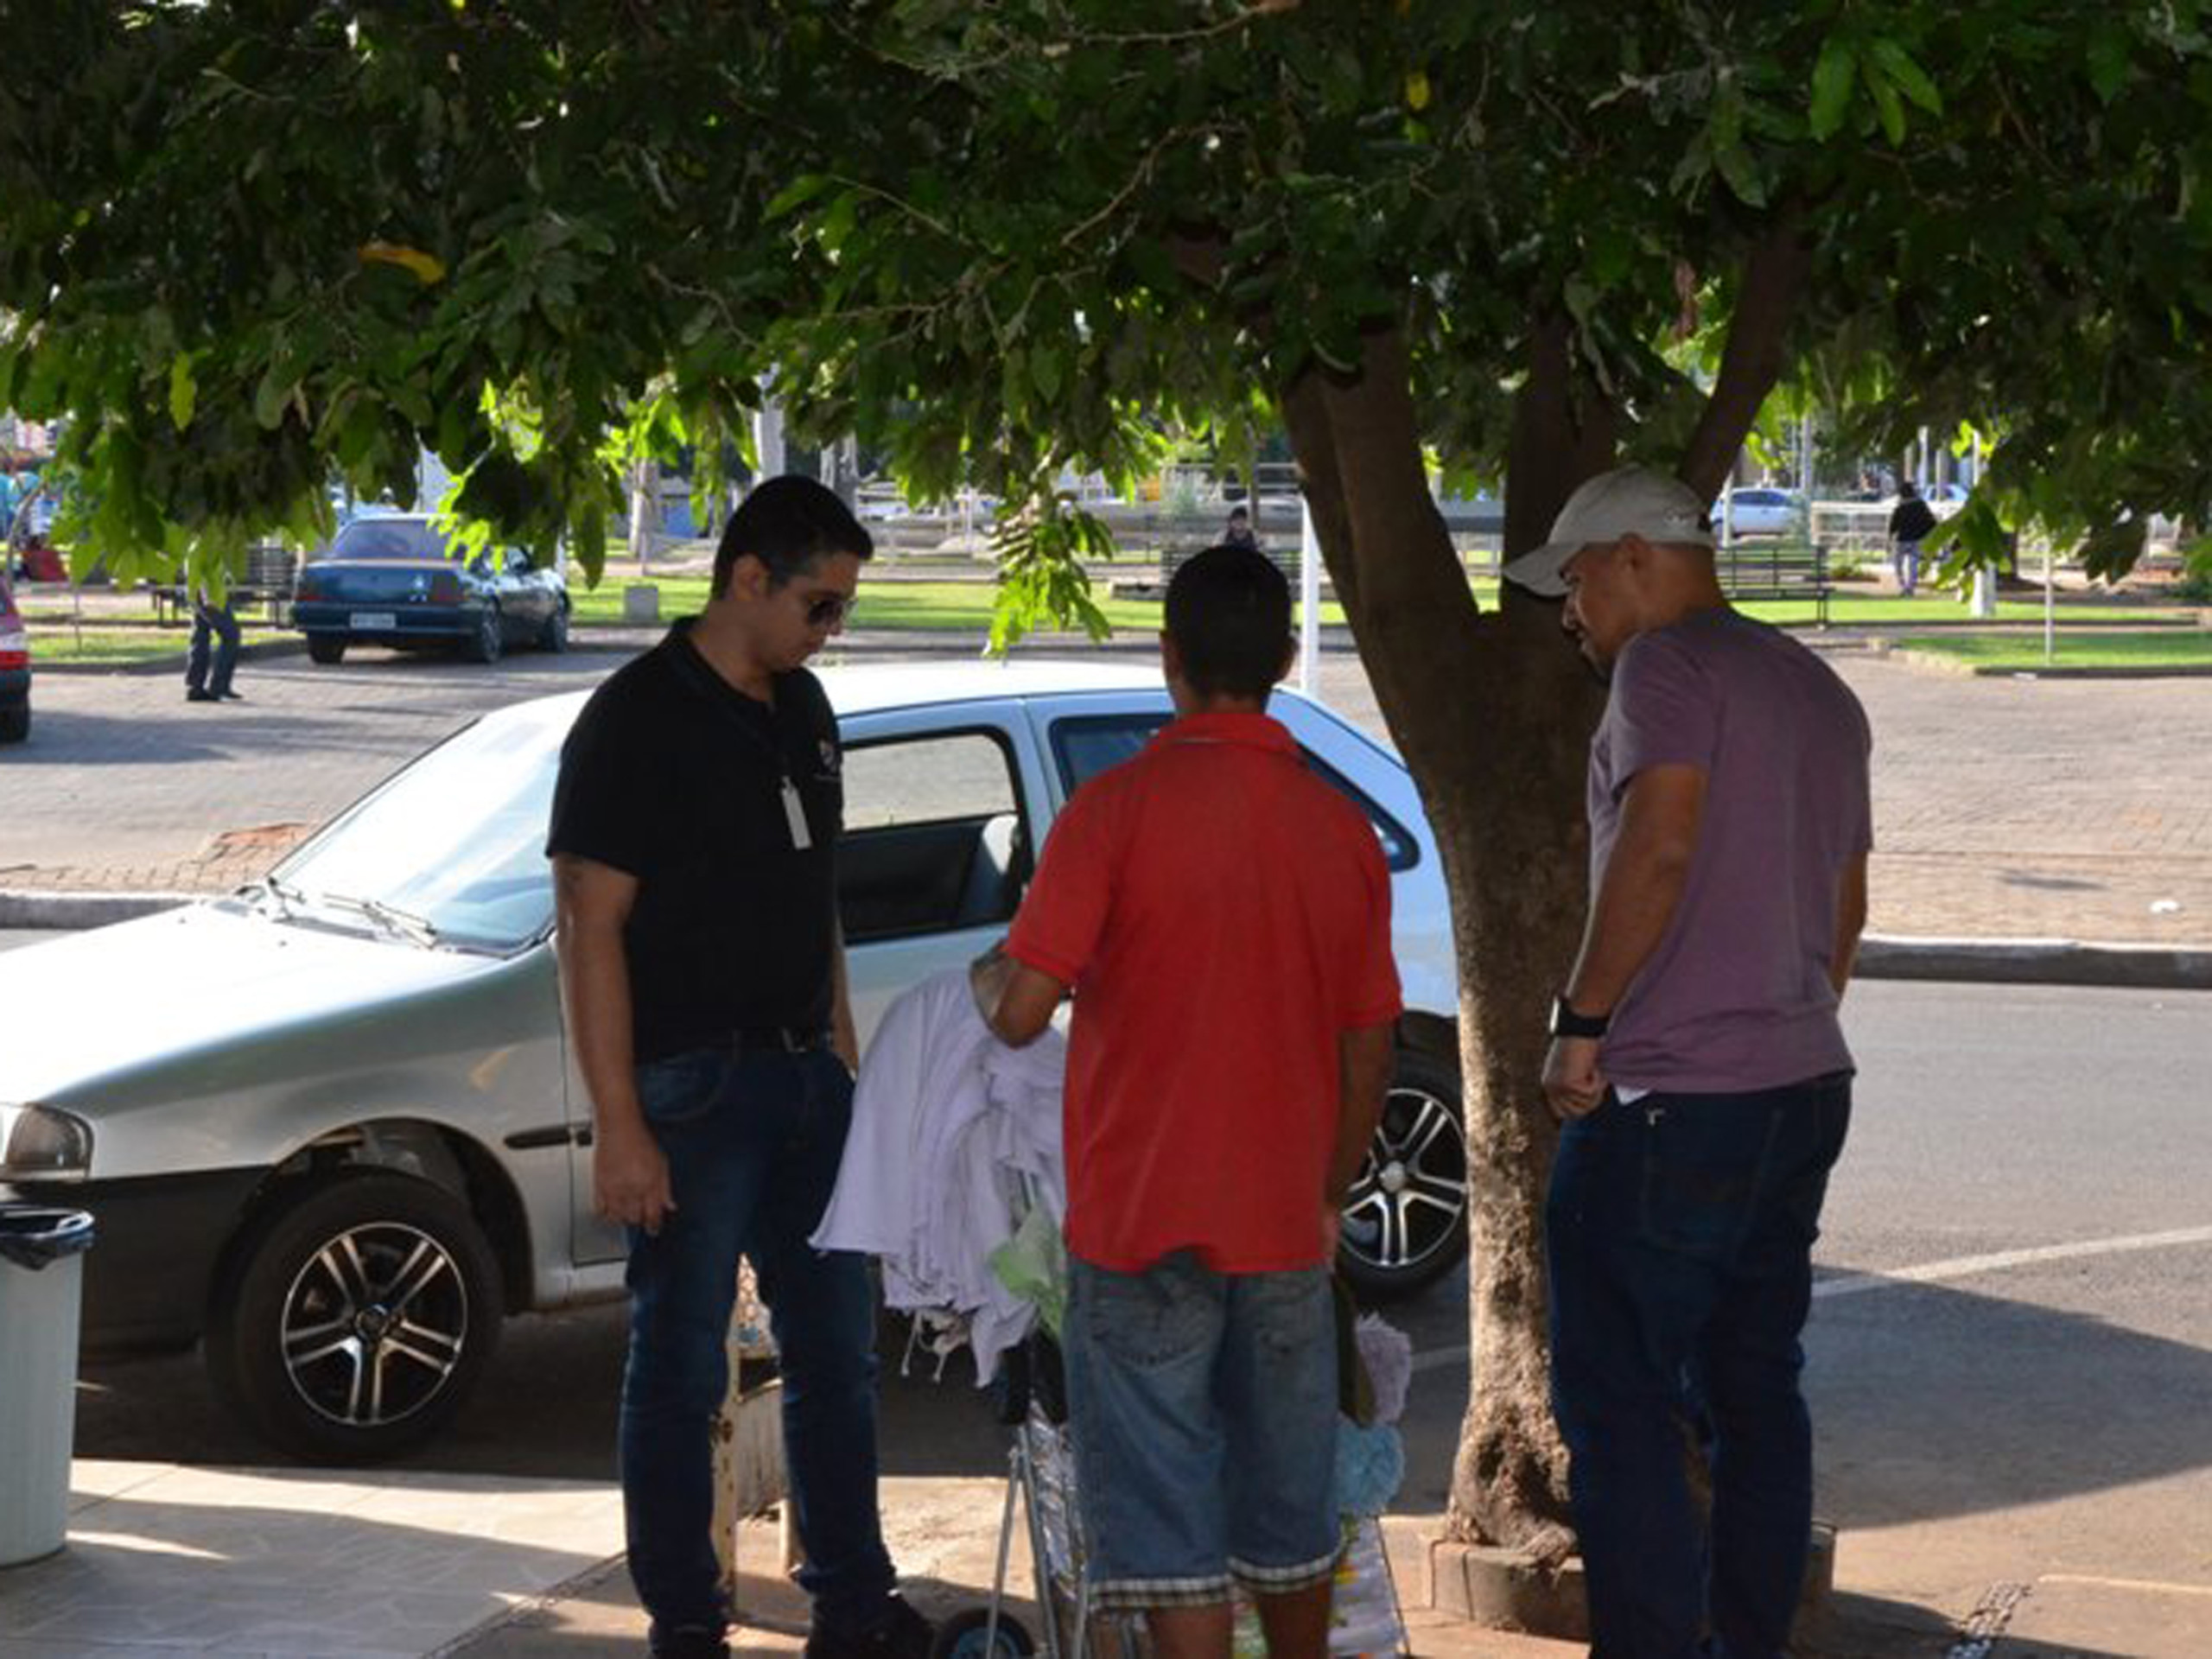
{"type": "Point", "coordinates": [1776, 569]}
{"type": "Point", "coordinates": [267, 580]}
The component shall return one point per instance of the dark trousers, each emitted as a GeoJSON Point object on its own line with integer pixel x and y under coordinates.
{"type": "Point", "coordinates": [753, 1141]}
{"type": "Point", "coordinates": [1680, 1229]}
{"type": "Point", "coordinates": [215, 631]}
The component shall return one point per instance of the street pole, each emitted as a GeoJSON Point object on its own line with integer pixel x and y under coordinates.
{"type": "Point", "coordinates": [1309, 602]}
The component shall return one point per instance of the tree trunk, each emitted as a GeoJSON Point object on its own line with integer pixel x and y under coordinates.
{"type": "Point", "coordinates": [1492, 714]}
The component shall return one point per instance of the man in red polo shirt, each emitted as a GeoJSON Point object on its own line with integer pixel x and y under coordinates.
{"type": "Point", "coordinates": [1222, 918]}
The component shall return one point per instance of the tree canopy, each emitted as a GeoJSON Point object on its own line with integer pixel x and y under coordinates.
{"type": "Point", "coordinates": [256, 243]}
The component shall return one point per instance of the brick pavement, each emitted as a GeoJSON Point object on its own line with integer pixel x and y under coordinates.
{"type": "Point", "coordinates": [2004, 808]}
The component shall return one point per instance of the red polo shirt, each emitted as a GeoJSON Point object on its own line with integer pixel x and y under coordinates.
{"type": "Point", "coordinates": [1223, 915]}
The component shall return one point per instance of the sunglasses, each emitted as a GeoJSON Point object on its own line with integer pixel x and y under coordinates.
{"type": "Point", "coordinates": [829, 610]}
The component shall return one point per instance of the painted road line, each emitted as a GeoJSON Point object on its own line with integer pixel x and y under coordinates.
{"type": "Point", "coordinates": [1962, 1266]}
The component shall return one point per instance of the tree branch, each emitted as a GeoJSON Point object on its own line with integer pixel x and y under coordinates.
{"type": "Point", "coordinates": [1775, 274]}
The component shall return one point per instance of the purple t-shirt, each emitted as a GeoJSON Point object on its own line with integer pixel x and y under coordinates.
{"type": "Point", "coordinates": [1737, 996]}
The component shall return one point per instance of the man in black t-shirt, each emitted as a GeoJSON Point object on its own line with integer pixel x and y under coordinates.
{"type": "Point", "coordinates": [693, 841]}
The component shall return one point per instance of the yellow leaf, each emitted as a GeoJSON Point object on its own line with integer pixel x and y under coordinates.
{"type": "Point", "coordinates": [426, 268]}
{"type": "Point", "coordinates": [1417, 90]}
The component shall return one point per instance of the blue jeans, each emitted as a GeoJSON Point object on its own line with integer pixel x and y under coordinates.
{"type": "Point", "coordinates": [1203, 1406]}
{"type": "Point", "coordinates": [213, 628]}
{"type": "Point", "coordinates": [1680, 1230]}
{"type": "Point", "coordinates": [753, 1141]}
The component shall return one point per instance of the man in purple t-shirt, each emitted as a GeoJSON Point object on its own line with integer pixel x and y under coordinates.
{"type": "Point", "coordinates": [1701, 1071]}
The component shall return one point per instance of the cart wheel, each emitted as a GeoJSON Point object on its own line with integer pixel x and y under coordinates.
{"type": "Point", "coordinates": [962, 1637]}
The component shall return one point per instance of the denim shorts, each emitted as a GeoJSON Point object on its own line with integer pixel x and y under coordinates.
{"type": "Point", "coordinates": [1204, 1409]}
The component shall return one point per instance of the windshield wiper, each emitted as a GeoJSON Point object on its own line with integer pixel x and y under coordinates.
{"type": "Point", "coordinates": [415, 930]}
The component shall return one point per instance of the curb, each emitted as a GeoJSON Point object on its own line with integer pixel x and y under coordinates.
{"type": "Point", "coordinates": [2037, 962]}
{"type": "Point", "coordinates": [260, 651]}
{"type": "Point", "coordinates": [64, 911]}
{"type": "Point", "coordinates": [1995, 962]}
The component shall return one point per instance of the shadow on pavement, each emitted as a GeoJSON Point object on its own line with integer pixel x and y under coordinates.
{"type": "Point", "coordinates": [1930, 1402]}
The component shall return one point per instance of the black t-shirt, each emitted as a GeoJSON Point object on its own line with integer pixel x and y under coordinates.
{"type": "Point", "coordinates": [1910, 521]}
{"type": "Point", "coordinates": [674, 776]}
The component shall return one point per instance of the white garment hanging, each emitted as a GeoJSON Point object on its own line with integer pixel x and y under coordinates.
{"type": "Point", "coordinates": [952, 1134]}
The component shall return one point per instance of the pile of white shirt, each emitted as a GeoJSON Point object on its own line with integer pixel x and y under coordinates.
{"type": "Point", "coordinates": [954, 1137]}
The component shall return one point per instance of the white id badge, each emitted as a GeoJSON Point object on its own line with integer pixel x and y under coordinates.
{"type": "Point", "coordinates": [795, 815]}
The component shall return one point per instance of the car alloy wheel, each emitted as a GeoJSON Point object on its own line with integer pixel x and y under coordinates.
{"type": "Point", "coordinates": [1405, 1218]}
{"type": "Point", "coordinates": [356, 1317]}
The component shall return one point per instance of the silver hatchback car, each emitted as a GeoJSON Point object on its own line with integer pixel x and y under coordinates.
{"type": "Point", "coordinates": [330, 1125]}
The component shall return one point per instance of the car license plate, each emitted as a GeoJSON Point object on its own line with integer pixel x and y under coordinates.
{"type": "Point", "coordinates": [373, 621]}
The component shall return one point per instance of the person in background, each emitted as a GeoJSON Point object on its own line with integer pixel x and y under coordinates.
{"type": "Point", "coordinates": [1910, 521]}
{"type": "Point", "coordinates": [212, 655]}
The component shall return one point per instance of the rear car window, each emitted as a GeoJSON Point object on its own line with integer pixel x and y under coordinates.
{"type": "Point", "coordinates": [1085, 746]}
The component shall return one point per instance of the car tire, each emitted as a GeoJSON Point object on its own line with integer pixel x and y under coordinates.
{"type": "Point", "coordinates": [554, 636]}
{"type": "Point", "coordinates": [328, 649]}
{"type": "Point", "coordinates": [353, 1316]}
{"type": "Point", "coordinates": [1405, 1220]}
{"type": "Point", "coordinates": [485, 644]}
{"type": "Point", "coordinates": [14, 724]}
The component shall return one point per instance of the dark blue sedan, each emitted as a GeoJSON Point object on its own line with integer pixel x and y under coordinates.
{"type": "Point", "coordinates": [387, 580]}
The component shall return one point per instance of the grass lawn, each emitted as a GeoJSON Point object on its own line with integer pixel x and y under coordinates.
{"type": "Point", "coordinates": [57, 644]}
{"type": "Point", "coordinates": [2165, 648]}
{"type": "Point", "coordinates": [917, 606]}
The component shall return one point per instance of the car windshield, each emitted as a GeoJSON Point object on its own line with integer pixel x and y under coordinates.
{"type": "Point", "coordinates": [386, 538]}
{"type": "Point", "coordinates": [451, 851]}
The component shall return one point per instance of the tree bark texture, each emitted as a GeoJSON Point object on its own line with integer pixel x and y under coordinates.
{"type": "Point", "coordinates": [1492, 713]}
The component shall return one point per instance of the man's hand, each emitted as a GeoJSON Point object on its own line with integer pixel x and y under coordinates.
{"type": "Point", "coordinates": [1573, 1082]}
{"type": "Point", "coordinates": [629, 1179]}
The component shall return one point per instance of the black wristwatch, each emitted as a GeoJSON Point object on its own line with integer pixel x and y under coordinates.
{"type": "Point", "coordinates": [1566, 1023]}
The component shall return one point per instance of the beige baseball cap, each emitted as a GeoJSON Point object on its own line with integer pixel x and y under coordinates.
{"type": "Point", "coordinates": [1627, 501]}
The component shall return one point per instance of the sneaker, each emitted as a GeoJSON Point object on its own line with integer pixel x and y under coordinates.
{"type": "Point", "coordinates": [229, 696]}
{"type": "Point", "coordinates": [901, 1633]}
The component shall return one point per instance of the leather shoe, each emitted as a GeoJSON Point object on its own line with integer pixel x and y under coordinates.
{"type": "Point", "coordinates": [195, 695]}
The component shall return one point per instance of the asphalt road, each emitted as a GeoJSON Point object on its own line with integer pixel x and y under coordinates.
{"type": "Point", "coordinates": [2010, 1359]}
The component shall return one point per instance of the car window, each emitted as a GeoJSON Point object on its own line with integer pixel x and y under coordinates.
{"type": "Point", "coordinates": [456, 840]}
{"type": "Point", "coordinates": [386, 538]}
{"type": "Point", "coordinates": [934, 838]}
{"type": "Point", "coordinates": [1085, 746]}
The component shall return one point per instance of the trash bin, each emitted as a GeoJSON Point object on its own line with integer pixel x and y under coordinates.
{"type": "Point", "coordinates": [40, 1279]}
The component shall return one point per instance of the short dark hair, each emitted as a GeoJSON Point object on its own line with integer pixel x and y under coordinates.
{"type": "Point", "coordinates": [1239, 511]}
{"type": "Point", "coordinates": [1229, 614]}
{"type": "Point", "coordinates": [787, 523]}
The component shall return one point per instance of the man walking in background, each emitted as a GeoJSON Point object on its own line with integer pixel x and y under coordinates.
{"type": "Point", "coordinates": [1700, 1065]}
{"type": "Point", "coordinates": [1910, 521]}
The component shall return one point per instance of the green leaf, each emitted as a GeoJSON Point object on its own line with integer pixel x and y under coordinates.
{"type": "Point", "coordinates": [183, 390]}
{"type": "Point", "coordinates": [1044, 370]}
{"type": "Point", "coordinates": [2107, 59]}
{"type": "Point", "coordinates": [1888, 108]}
{"type": "Point", "coordinates": [1908, 77]}
{"type": "Point", "coordinates": [271, 397]}
{"type": "Point", "coordinates": [796, 194]}
{"type": "Point", "coordinates": [1832, 78]}
{"type": "Point", "coordinates": [1735, 166]}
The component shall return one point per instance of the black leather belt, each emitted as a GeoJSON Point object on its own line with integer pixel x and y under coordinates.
{"type": "Point", "coordinates": [789, 1038]}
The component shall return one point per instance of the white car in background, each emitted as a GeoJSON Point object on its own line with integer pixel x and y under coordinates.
{"type": "Point", "coordinates": [329, 1128]}
{"type": "Point", "coordinates": [1758, 510]}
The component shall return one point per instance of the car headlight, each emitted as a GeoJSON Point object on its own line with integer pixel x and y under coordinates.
{"type": "Point", "coordinates": [43, 1143]}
